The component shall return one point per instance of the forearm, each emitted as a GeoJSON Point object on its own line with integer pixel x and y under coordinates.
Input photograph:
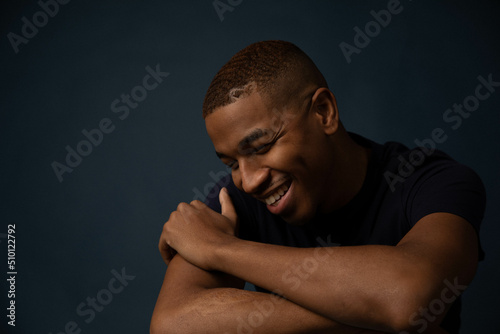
{"type": "Point", "coordinates": [371, 286]}
{"type": "Point", "coordinates": [227, 310]}
{"type": "Point", "coordinates": [182, 283]}
{"type": "Point", "coordinates": [191, 300]}
{"type": "Point", "coordinates": [358, 286]}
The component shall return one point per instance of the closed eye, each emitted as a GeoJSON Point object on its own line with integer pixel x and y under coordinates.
{"type": "Point", "coordinates": [263, 148]}
{"type": "Point", "coordinates": [256, 150]}
{"type": "Point", "coordinates": [233, 165]}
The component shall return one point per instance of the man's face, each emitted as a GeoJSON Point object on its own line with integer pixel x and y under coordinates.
{"type": "Point", "coordinates": [280, 157]}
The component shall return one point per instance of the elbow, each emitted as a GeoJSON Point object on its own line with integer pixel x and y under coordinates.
{"type": "Point", "coordinates": [155, 327]}
{"type": "Point", "coordinates": [163, 323]}
{"type": "Point", "coordinates": [414, 323]}
{"type": "Point", "coordinates": [172, 320]}
{"type": "Point", "coordinates": [403, 315]}
{"type": "Point", "coordinates": [414, 310]}
{"type": "Point", "coordinates": [401, 323]}
{"type": "Point", "coordinates": [158, 326]}
{"type": "Point", "coordinates": [419, 317]}
{"type": "Point", "coordinates": [405, 319]}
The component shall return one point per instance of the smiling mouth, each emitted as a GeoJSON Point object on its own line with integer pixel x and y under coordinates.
{"type": "Point", "coordinates": [274, 198]}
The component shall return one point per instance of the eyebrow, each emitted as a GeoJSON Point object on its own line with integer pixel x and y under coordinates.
{"type": "Point", "coordinates": [249, 139]}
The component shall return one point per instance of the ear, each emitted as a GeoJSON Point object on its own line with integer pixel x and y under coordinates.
{"type": "Point", "coordinates": [324, 107]}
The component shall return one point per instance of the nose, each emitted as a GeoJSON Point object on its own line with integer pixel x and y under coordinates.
{"type": "Point", "coordinates": [253, 176]}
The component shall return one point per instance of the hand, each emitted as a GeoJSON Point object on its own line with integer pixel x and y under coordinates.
{"type": "Point", "coordinates": [195, 231]}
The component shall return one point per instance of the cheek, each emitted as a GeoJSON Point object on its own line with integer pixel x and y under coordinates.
{"type": "Point", "coordinates": [286, 159]}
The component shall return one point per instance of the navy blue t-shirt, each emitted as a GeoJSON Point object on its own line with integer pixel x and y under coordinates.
{"type": "Point", "coordinates": [401, 187]}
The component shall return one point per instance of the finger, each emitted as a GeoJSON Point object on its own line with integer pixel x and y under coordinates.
{"type": "Point", "coordinates": [171, 253]}
{"type": "Point", "coordinates": [167, 252]}
{"type": "Point", "coordinates": [181, 207]}
{"type": "Point", "coordinates": [227, 207]}
{"type": "Point", "coordinates": [164, 251]}
{"type": "Point", "coordinates": [198, 204]}
{"type": "Point", "coordinates": [187, 210]}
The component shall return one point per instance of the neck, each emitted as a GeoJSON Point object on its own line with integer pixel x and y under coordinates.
{"type": "Point", "coordinates": [349, 167]}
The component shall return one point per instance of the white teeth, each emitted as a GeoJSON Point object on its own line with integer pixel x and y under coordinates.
{"type": "Point", "coordinates": [272, 199]}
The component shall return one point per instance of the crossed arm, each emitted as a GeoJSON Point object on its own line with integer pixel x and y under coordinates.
{"type": "Point", "coordinates": [362, 289]}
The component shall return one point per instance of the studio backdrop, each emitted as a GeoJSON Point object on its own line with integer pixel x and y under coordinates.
{"type": "Point", "coordinates": [102, 134]}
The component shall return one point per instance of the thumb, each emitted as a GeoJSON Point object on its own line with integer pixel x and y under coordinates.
{"type": "Point", "coordinates": [227, 207]}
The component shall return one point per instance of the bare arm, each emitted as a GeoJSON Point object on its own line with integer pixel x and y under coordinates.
{"type": "Point", "coordinates": [192, 300]}
{"type": "Point", "coordinates": [379, 287]}
{"type": "Point", "coordinates": [382, 288]}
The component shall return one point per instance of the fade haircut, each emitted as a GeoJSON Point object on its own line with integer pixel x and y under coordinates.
{"type": "Point", "coordinates": [278, 70]}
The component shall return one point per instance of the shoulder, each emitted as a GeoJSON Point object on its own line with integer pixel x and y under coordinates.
{"type": "Point", "coordinates": [428, 180]}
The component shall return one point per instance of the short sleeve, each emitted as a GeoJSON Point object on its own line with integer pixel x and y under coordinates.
{"type": "Point", "coordinates": [448, 187]}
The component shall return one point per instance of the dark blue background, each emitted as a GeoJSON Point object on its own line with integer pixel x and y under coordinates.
{"type": "Point", "coordinates": [108, 213]}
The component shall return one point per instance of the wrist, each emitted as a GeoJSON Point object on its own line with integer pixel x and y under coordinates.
{"type": "Point", "coordinates": [223, 252]}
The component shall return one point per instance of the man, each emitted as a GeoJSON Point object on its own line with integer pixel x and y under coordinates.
{"type": "Point", "coordinates": [349, 236]}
